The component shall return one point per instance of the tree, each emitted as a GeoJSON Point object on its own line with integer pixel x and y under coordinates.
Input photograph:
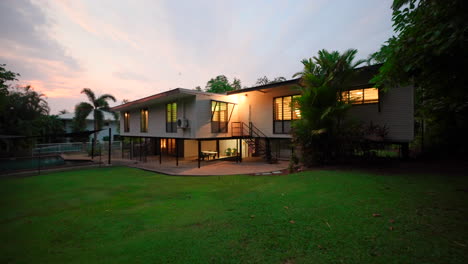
{"type": "Point", "coordinates": [97, 105]}
{"type": "Point", "coordinates": [264, 80]}
{"type": "Point", "coordinates": [198, 88]}
{"type": "Point", "coordinates": [221, 84]}
{"type": "Point", "coordinates": [63, 111]}
{"type": "Point", "coordinates": [431, 37]}
{"type": "Point", "coordinates": [5, 77]}
{"type": "Point", "coordinates": [236, 84]}
{"type": "Point", "coordinates": [323, 79]}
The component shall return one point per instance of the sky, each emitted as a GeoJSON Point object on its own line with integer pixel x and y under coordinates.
{"type": "Point", "coordinates": [133, 49]}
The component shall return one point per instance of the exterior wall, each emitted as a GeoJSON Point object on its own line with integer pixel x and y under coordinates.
{"type": "Point", "coordinates": [396, 113]}
{"type": "Point", "coordinates": [261, 108]}
{"type": "Point", "coordinates": [190, 148]}
{"type": "Point", "coordinates": [203, 114]}
{"type": "Point", "coordinates": [157, 120]}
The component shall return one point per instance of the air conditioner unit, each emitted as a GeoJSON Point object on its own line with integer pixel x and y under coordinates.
{"type": "Point", "coordinates": [182, 123]}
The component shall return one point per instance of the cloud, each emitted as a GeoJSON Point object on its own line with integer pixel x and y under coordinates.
{"type": "Point", "coordinates": [25, 31]}
{"type": "Point", "coordinates": [126, 75]}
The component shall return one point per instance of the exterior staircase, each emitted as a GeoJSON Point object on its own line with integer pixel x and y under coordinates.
{"type": "Point", "coordinates": [258, 143]}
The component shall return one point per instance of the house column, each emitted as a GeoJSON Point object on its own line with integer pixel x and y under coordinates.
{"type": "Point", "coordinates": [199, 151]}
{"type": "Point", "coordinates": [240, 150]}
{"type": "Point", "coordinates": [160, 151]}
{"type": "Point", "coordinates": [217, 147]}
{"type": "Point", "coordinates": [237, 148]}
{"type": "Point", "coordinates": [177, 151]}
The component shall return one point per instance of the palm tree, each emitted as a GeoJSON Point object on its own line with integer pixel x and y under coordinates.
{"type": "Point", "coordinates": [97, 105]}
{"type": "Point", "coordinates": [323, 79]}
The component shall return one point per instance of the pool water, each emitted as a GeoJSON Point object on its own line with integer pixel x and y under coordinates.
{"type": "Point", "coordinates": [12, 164]}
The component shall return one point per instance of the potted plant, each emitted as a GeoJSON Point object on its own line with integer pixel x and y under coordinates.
{"type": "Point", "coordinates": [234, 151]}
{"type": "Point", "coordinates": [228, 152]}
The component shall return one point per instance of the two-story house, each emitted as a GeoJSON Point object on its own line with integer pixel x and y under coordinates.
{"type": "Point", "coordinates": [251, 121]}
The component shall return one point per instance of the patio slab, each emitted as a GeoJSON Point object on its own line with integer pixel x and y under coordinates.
{"type": "Point", "coordinates": [216, 167]}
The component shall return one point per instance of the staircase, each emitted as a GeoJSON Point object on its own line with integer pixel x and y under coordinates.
{"type": "Point", "coordinates": [259, 144]}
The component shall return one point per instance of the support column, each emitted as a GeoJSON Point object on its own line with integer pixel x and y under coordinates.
{"type": "Point", "coordinates": [217, 147]}
{"type": "Point", "coordinates": [240, 150]}
{"type": "Point", "coordinates": [110, 146]}
{"type": "Point", "coordinates": [160, 151]}
{"type": "Point", "coordinates": [237, 148]}
{"type": "Point", "coordinates": [199, 151]}
{"type": "Point", "coordinates": [177, 151]}
{"type": "Point", "coordinates": [140, 149]}
{"type": "Point", "coordinates": [131, 148]}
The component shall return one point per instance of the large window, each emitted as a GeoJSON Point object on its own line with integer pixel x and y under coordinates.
{"type": "Point", "coordinates": [361, 96]}
{"type": "Point", "coordinates": [127, 122]}
{"type": "Point", "coordinates": [219, 117]}
{"type": "Point", "coordinates": [144, 120]}
{"type": "Point", "coordinates": [285, 109]}
{"type": "Point", "coordinates": [171, 118]}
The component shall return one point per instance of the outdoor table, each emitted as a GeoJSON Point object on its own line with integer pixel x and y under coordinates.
{"type": "Point", "coordinates": [209, 154]}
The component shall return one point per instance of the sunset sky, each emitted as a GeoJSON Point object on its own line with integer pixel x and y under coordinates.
{"type": "Point", "coordinates": [133, 49]}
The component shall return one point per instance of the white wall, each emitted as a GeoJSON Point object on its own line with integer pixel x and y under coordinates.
{"type": "Point", "coordinates": [396, 113]}
{"type": "Point", "coordinates": [261, 108]}
{"type": "Point", "coordinates": [203, 116]}
{"type": "Point", "coordinates": [157, 119]}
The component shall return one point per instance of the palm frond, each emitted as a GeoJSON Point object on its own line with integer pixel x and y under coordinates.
{"type": "Point", "coordinates": [107, 96]}
{"type": "Point", "coordinates": [90, 94]}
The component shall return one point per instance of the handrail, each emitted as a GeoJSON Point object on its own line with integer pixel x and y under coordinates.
{"type": "Point", "coordinates": [257, 131]}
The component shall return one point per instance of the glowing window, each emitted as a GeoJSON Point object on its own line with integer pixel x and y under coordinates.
{"type": "Point", "coordinates": [361, 96]}
{"type": "Point", "coordinates": [127, 122]}
{"type": "Point", "coordinates": [144, 120]}
{"type": "Point", "coordinates": [171, 118]}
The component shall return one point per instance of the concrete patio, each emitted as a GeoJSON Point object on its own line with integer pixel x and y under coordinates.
{"type": "Point", "coordinates": [189, 166]}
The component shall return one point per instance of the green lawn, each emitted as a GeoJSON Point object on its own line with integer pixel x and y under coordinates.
{"type": "Point", "coordinates": [124, 215]}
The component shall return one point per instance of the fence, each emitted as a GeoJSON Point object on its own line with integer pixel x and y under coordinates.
{"type": "Point", "coordinates": [55, 155]}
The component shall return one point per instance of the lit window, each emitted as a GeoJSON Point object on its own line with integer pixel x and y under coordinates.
{"type": "Point", "coordinates": [219, 117]}
{"type": "Point", "coordinates": [361, 96]}
{"type": "Point", "coordinates": [286, 108]}
{"type": "Point", "coordinates": [127, 122]}
{"type": "Point", "coordinates": [171, 118]}
{"type": "Point", "coordinates": [144, 120]}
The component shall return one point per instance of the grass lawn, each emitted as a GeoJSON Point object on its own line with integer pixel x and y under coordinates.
{"type": "Point", "coordinates": [124, 215]}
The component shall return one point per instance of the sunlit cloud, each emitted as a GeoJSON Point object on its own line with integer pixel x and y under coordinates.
{"type": "Point", "coordinates": [135, 49]}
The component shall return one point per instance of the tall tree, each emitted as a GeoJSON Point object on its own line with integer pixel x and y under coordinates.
{"type": "Point", "coordinates": [429, 49]}
{"type": "Point", "coordinates": [323, 79]}
{"type": "Point", "coordinates": [221, 84]}
{"type": "Point", "coordinates": [97, 105]}
{"type": "Point", "coordinates": [264, 80]}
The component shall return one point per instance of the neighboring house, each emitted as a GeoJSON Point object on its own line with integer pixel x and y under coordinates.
{"type": "Point", "coordinates": [109, 122]}
{"type": "Point", "coordinates": [253, 121]}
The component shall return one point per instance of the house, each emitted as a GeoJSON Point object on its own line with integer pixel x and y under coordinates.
{"type": "Point", "coordinates": [254, 121]}
{"type": "Point", "coordinates": [109, 122]}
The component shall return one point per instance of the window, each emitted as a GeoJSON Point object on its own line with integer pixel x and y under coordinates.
{"type": "Point", "coordinates": [285, 109]}
{"type": "Point", "coordinates": [144, 120]}
{"type": "Point", "coordinates": [171, 118]}
{"type": "Point", "coordinates": [219, 117]}
{"type": "Point", "coordinates": [361, 96]}
{"type": "Point", "coordinates": [168, 146]}
{"type": "Point", "coordinates": [127, 122]}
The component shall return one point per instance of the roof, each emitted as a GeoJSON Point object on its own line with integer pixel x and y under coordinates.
{"type": "Point", "coordinates": [171, 94]}
{"type": "Point", "coordinates": [266, 86]}
{"type": "Point", "coordinates": [364, 74]}
{"type": "Point", "coordinates": [70, 116]}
